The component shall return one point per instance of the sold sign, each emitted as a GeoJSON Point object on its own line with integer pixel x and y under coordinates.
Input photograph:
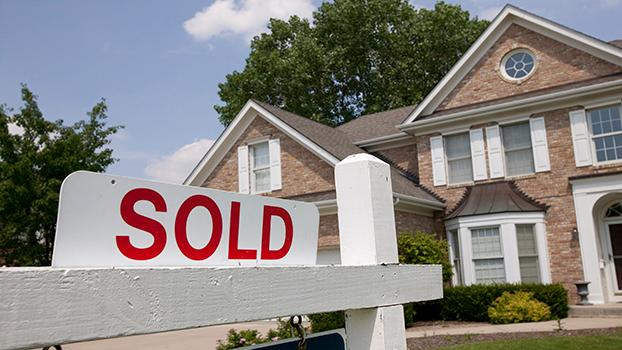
{"type": "Point", "coordinates": [111, 221]}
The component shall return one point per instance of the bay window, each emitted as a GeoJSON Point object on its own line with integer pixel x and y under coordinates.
{"type": "Point", "coordinates": [498, 248]}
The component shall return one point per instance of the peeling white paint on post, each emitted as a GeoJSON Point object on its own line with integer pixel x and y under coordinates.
{"type": "Point", "coordinates": [367, 237]}
{"type": "Point", "coordinates": [46, 306]}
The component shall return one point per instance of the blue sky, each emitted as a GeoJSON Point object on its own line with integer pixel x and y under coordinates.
{"type": "Point", "coordinates": [158, 63]}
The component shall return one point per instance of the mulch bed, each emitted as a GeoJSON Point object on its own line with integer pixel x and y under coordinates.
{"type": "Point", "coordinates": [439, 341]}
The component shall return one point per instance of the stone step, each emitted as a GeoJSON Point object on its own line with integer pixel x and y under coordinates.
{"type": "Point", "coordinates": [606, 310]}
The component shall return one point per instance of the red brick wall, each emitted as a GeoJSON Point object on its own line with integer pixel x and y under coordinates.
{"type": "Point", "coordinates": [405, 157]}
{"type": "Point", "coordinates": [551, 188]}
{"type": "Point", "coordinates": [556, 64]}
{"type": "Point", "coordinates": [301, 171]}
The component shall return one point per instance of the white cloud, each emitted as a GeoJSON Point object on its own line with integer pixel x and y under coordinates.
{"type": "Point", "coordinates": [15, 129]}
{"type": "Point", "coordinates": [243, 17]}
{"type": "Point", "coordinates": [490, 12]}
{"type": "Point", "coordinates": [175, 167]}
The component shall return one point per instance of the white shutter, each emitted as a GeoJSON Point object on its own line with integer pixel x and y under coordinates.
{"type": "Point", "coordinates": [580, 138]}
{"type": "Point", "coordinates": [539, 145]}
{"type": "Point", "coordinates": [243, 175]}
{"type": "Point", "coordinates": [438, 160]}
{"type": "Point", "coordinates": [477, 154]}
{"type": "Point", "coordinates": [495, 152]}
{"type": "Point", "coordinates": [275, 164]}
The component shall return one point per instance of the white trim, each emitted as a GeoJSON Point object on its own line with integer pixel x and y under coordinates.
{"type": "Point", "coordinates": [529, 105]}
{"type": "Point", "coordinates": [248, 113]}
{"type": "Point", "coordinates": [504, 19]}
{"type": "Point", "coordinates": [400, 136]}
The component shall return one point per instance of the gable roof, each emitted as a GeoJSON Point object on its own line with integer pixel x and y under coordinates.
{"type": "Point", "coordinates": [371, 126]}
{"type": "Point", "coordinates": [510, 15]}
{"type": "Point", "coordinates": [330, 144]}
{"type": "Point", "coordinates": [492, 198]}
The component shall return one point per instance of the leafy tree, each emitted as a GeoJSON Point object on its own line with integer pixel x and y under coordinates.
{"type": "Point", "coordinates": [357, 56]}
{"type": "Point", "coordinates": [33, 164]}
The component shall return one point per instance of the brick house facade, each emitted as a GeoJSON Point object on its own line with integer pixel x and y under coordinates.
{"type": "Point", "coordinates": [515, 157]}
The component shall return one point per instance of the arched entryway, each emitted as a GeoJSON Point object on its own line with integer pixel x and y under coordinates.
{"type": "Point", "coordinates": [608, 220]}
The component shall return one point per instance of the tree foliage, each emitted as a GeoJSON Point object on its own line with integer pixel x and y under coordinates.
{"type": "Point", "coordinates": [355, 57]}
{"type": "Point", "coordinates": [424, 248]}
{"type": "Point", "coordinates": [33, 164]}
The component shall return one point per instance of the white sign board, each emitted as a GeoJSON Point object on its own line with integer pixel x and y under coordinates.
{"type": "Point", "coordinates": [112, 221]}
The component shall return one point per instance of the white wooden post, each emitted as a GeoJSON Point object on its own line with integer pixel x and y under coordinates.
{"type": "Point", "coordinates": [367, 237]}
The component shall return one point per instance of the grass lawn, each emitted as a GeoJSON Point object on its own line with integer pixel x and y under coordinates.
{"type": "Point", "coordinates": [592, 342]}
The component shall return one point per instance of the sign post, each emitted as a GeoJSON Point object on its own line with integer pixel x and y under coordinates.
{"type": "Point", "coordinates": [367, 237]}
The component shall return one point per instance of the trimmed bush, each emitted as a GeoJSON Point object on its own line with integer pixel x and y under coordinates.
{"type": "Point", "coordinates": [518, 307]}
{"type": "Point", "coordinates": [327, 321]}
{"type": "Point", "coordinates": [424, 248]}
{"type": "Point", "coordinates": [470, 303]}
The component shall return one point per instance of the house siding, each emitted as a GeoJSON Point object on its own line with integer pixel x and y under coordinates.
{"type": "Point", "coordinates": [556, 64]}
{"type": "Point", "coordinates": [551, 188]}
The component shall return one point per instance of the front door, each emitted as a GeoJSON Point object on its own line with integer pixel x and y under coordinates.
{"type": "Point", "coordinates": [615, 255]}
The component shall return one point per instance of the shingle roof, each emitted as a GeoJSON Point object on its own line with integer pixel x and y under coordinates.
{"type": "Point", "coordinates": [617, 43]}
{"type": "Point", "coordinates": [340, 145]}
{"type": "Point", "coordinates": [491, 198]}
{"type": "Point", "coordinates": [375, 125]}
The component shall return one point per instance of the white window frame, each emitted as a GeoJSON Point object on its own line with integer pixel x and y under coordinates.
{"type": "Point", "coordinates": [251, 164]}
{"type": "Point", "coordinates": [469, 156]}
{"type": "Point", "coordinates": [588, 120]}
{"type": "Point", "coordinates": [503, 149]}
{"type": "Point", "coordinates": [536, 255]}
{"type": "Point", "coordinates": [507, 230]}
{"type": "Point", "coordinates": [490, 257]}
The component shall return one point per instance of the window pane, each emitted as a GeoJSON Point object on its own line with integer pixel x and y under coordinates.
{"type": "Point", "coordinates": [526, 240]}
{"type": "Point", "coordinates": [529, 269]}
{"type": "Point", "coordinates": [460, 170]}
{"type": "Point", "coordinates": [519, 162]}
{"type": "Point", "coordinates": [607, 147]}
{"type": "Point", "coordinates": [458, 146]}
{"type": "Point", "coordinates": [528, 254]}
{"type": "Point", "coordinates": [605, 120]}
{"type": "Point", "coordinates": [455, 248]}
{"type": "Point", "coordinates": [261, 155]}
{"type": "Point", "coordinates": [486, 242]}
{"type": "Point", "coordinates": [489, 271]}
{"type": "Point", "coordinates": [516, 136]}
{"type": "Point", "coordinates": [262, 180]}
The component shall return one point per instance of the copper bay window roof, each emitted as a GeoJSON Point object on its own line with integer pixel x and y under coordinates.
{"type": "Point", "coordinates": [492, 198]}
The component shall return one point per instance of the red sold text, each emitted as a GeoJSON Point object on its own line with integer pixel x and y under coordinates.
{"type": "Point", "coordinates": [155, 228]}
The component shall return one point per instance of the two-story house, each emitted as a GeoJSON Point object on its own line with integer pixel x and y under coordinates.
{"type": "Point", "coordinates": [515, 157]}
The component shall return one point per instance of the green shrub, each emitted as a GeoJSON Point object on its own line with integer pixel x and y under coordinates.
{"type": "Point", "coordinates": [247, 337]}
{"type": "Point", "coordinates": [470, 303]}
{"type": "Point", "coordinates": [327, 321]}
{"type": "Point", "coordinates": [424, 248]}
{"type": "Point", "coordinates": [244, 337]}
{"type": "Point", "coordinates": [517, 307]}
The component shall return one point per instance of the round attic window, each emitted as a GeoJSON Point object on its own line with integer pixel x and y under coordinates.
{"type": "Point", "coordinates": [518, 65]}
